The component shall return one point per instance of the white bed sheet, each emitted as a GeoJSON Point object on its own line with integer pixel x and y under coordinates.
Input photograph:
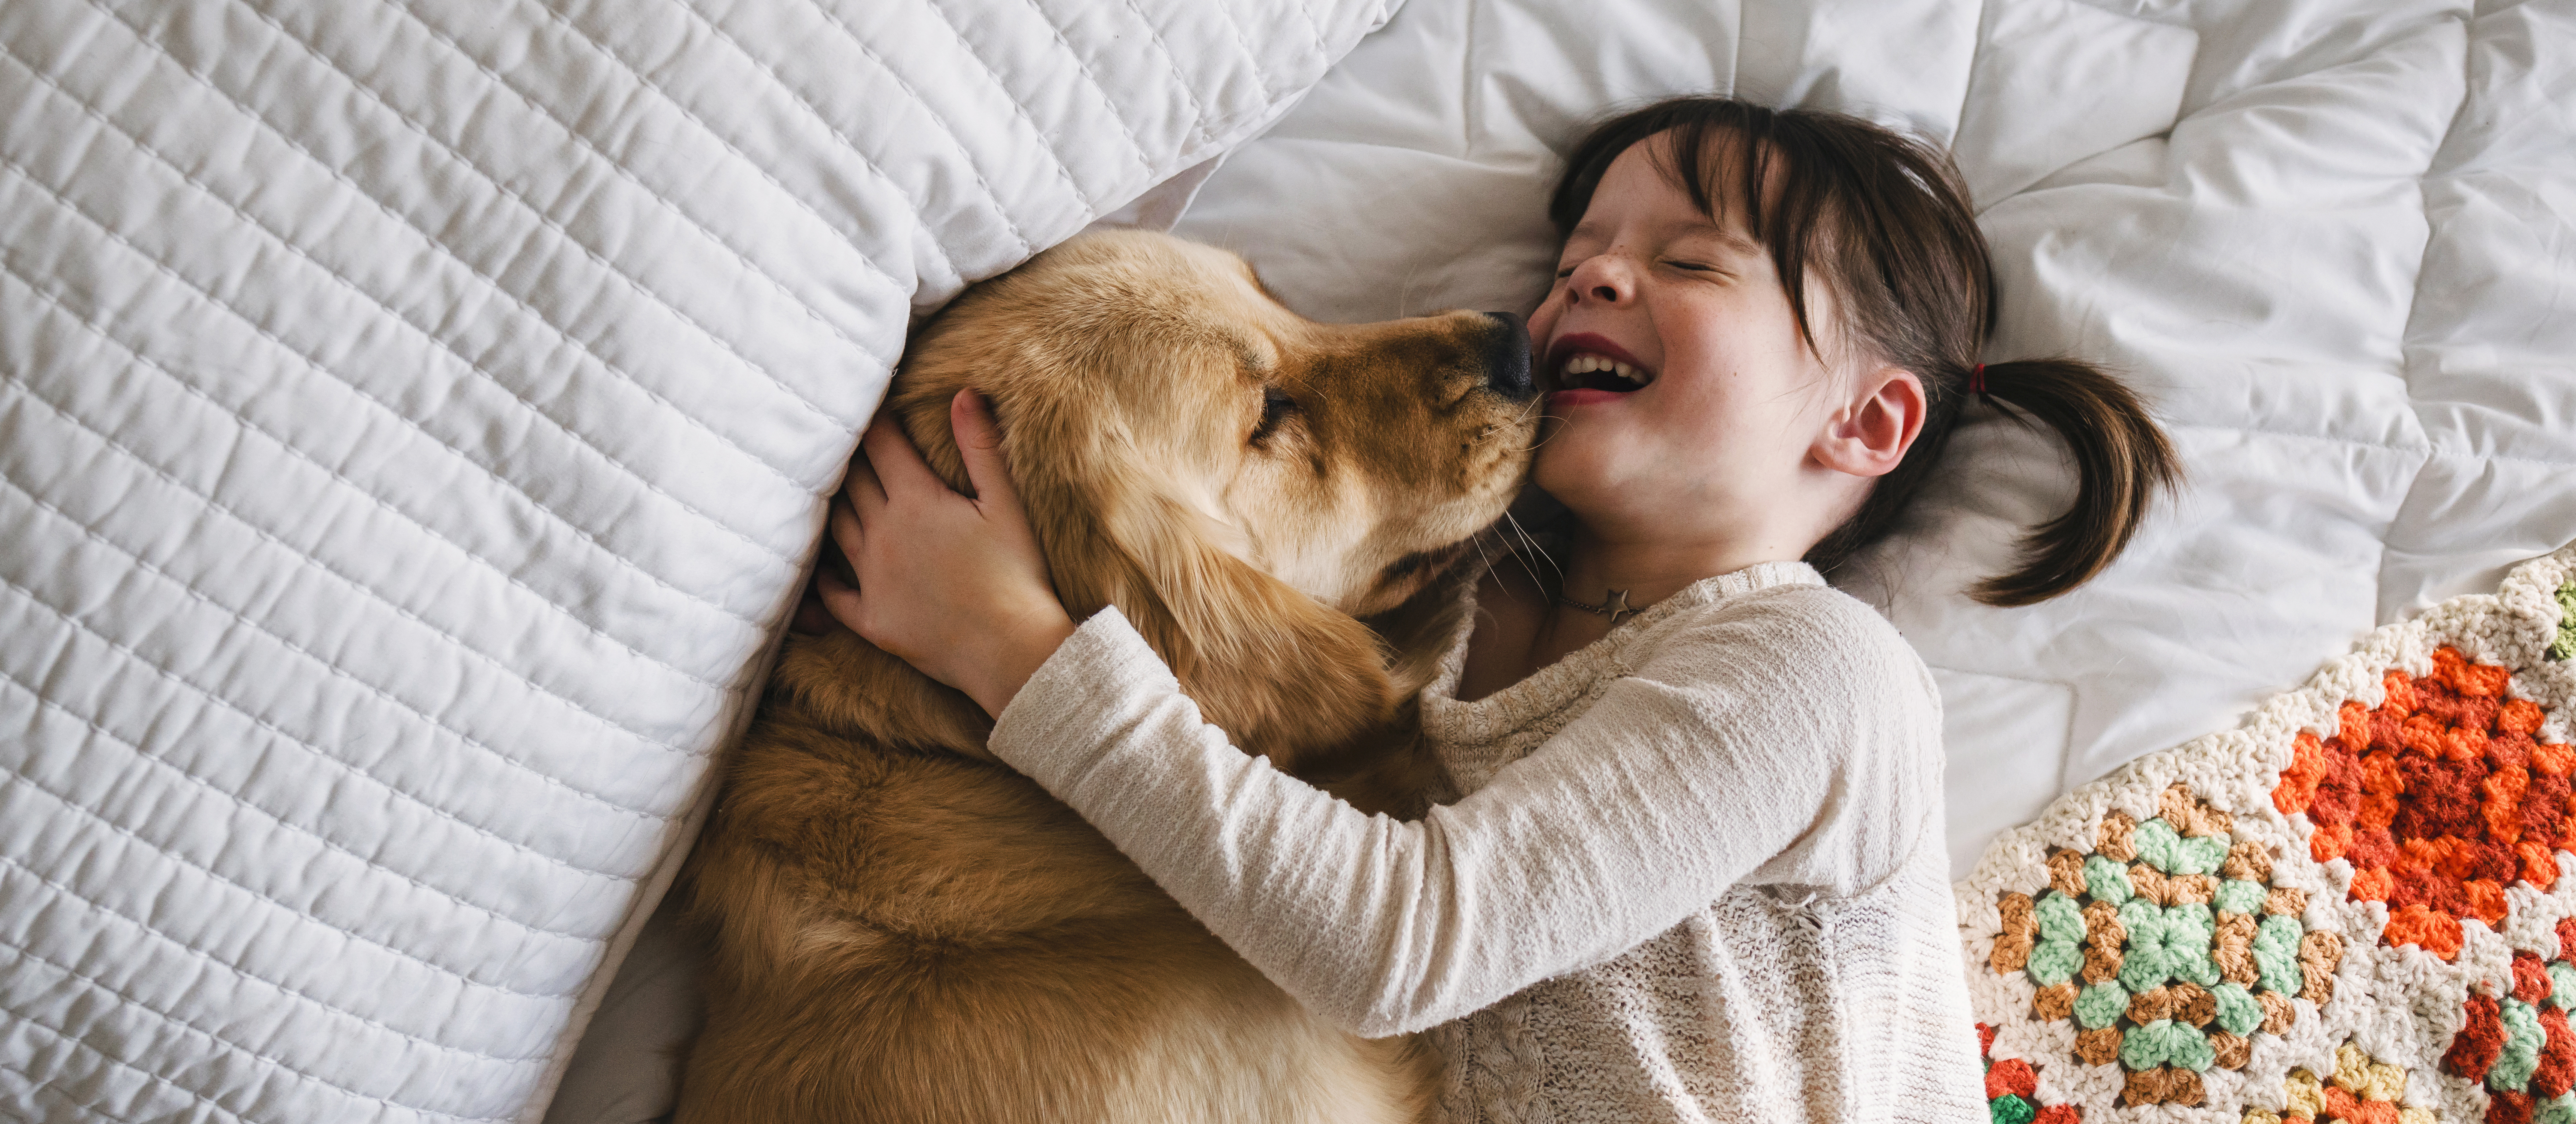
{"type": "Point", "coordinates": [2335, 244]}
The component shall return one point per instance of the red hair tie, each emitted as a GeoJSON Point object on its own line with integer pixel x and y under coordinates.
{"type": "Point", "coordinates": [1977, 380]}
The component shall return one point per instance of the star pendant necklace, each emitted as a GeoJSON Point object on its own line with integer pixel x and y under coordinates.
{"type": "Point", "coordinates": [1614, 606]}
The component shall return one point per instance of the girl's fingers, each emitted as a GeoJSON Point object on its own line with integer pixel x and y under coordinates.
{"type": "Point", "coordinates": [862, 489]}
{"type": "Point", "coordinates": [979, 443]}
{"type": "Point", "coordinates": [847, 529]}
{"type": "Point", "coordinates": [840, 599]}
{"type": "Point", "coordinates": [898, 466]}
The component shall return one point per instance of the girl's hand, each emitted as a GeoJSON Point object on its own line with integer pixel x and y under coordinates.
{"type": "Point", "coordinates": [954, 586]}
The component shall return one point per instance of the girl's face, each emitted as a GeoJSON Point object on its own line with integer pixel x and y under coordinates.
{"type": "Point", "coordinates": [1688, 404]}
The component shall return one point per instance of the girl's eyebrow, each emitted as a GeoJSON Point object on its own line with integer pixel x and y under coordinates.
{"type": "Point", "coordinates": [1733, 241]}
{"type": "Point", "coordinates": [1702, 227]}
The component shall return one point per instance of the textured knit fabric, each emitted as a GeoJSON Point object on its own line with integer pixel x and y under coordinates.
{"type": "Point", "coordinates": [1691, 872]}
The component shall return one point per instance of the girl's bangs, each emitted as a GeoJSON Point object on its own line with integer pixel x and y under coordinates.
{"type": "Point", "coordinates": [1723, 154]}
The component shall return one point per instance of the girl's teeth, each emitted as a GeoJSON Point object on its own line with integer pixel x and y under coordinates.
{"type": "Point", "coordinates": [1586, 364]}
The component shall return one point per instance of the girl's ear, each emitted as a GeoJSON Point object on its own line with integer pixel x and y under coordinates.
{"type": "Point", "coordinates": [1871, 433]}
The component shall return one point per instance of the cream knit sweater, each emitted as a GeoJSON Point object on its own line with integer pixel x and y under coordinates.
{"type": "Point", "coordinates": [1691, 872]}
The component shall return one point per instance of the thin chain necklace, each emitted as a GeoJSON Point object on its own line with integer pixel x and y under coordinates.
{"type": "Point", "coordinates": [1614, 606]}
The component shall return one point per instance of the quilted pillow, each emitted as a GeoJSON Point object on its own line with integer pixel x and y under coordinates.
{"type": "Point", "coordinates": [415, 420]}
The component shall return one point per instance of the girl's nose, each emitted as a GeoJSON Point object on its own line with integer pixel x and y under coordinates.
{"type": "Point", "coordinates": [1602, 277]}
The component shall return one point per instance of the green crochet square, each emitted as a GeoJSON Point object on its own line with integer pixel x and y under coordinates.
{"type": "Point", "coordinates": [2565, 647]}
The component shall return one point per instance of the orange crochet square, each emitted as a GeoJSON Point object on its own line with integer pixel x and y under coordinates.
{"type": "Point", "coordinates": [2439, 798]}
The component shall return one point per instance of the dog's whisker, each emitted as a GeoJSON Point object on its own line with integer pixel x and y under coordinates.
{"type": "Point", "coordinates": [1523, 557]}
{"type": "Point", "coordinates": [1535, 548]}
{"type": "Point", "coordinates": [1478, 541]}
{"type": "Point", "coordinates": [1491, 431]}
{"type": "Point", "coordinates": [1543, 440]}
{"type": "Point", "coordinates": [1404, 290]}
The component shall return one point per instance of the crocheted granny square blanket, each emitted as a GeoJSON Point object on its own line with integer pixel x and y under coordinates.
{"type": "Point", "coordinates": [2359, 905]}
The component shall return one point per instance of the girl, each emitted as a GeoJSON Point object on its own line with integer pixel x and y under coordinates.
{"type": "Point", "coordinates": [1694, 865]}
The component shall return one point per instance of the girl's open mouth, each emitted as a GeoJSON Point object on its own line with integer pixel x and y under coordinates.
{"type": "Point", "coordinates": [1584, 361]}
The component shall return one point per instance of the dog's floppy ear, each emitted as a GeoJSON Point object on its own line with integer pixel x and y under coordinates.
{"type": "Point", "coordinates": [1287, 675]}
{"type": "Point", "coordinates": [1263, 659]}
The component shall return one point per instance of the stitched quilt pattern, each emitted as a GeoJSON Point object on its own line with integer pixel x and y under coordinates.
{"type": "Point", "coordinates": [415, 418]}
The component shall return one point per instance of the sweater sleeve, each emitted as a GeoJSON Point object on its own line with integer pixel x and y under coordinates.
{"type": "Point", "coordinates": [1727, 754]}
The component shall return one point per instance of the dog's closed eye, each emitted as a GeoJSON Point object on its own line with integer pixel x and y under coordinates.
{"type": "Point", "coordinates": [1275, 408]}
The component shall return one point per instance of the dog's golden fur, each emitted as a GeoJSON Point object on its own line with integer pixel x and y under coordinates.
{"type": "Point", "coordinates": [904, 929]}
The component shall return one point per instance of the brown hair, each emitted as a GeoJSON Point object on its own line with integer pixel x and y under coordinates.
{"type": "Point", "coordinates": [1883, 222]}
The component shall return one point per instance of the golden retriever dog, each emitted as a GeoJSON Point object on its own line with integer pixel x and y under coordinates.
{"type": "Point", "coordinates": [904, 929]}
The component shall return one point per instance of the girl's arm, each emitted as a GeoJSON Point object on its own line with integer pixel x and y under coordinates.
{"type": "Point", "coordinates": [1769, 743]}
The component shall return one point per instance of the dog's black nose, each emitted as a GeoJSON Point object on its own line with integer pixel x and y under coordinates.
{"type": "Point", "coordinates": [1507, 358]}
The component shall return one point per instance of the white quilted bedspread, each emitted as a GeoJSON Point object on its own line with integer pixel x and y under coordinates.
{"type": "Point", "coordinates": [2334, 241]}
{"type": "Point", "coordinates": [414, 419]}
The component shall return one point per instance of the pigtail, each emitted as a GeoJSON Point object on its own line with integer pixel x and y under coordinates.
{"type": "Point", "coordinates": [2122, 459]}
